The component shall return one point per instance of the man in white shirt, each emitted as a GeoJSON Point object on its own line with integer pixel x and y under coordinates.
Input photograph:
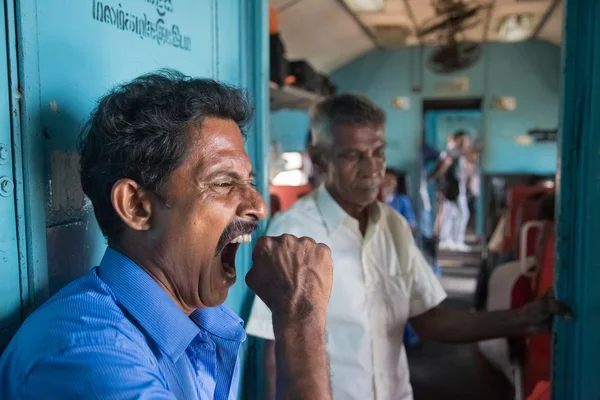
{"type": "Point", "coordinates": [381, 280]}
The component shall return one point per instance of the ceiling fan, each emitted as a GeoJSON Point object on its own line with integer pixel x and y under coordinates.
{"type": "Point", "coordinates": [452, 19]}
{"type": "Point", "coordinates": [453, 16]}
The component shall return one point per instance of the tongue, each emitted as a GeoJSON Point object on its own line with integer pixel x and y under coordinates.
{"type": "Point", "coordinates": [228, 256]}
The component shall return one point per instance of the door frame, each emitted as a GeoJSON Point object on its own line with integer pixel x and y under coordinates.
{"type": "Point", "coordinates": [576, 352]}
{"type": "Point", "coordinates": [467, 104]}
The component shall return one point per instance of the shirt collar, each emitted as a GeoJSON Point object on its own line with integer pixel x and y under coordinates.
{"type": "Point", "coordinates": [334, 215]}
{"type": "Point", "coordinates": [170, 328]}
{"type": "Point", "coordinates": [221, 322]}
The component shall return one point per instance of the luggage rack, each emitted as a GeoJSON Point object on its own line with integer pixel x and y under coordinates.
{"type": "Point", "coordinates": [291, 97]}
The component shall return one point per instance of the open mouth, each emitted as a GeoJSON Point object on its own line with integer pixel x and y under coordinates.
{"type": "Point", "coordinates": [229, 252]}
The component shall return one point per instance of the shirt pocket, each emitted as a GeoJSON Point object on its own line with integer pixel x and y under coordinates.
{"type": "Point", "coordinates": [389, 295]}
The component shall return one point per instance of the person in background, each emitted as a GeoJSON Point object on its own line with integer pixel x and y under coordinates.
{"type": "Point", "coordinates": [164, 165]}
{"type": "Point", "coordinates": [442, 163]}
{"type": "Point", "coordinates": [394, 194]}
{"type": "Point", "coordinates": [381, 279]}
{"type": "Point", "coordinates": [454, 213]}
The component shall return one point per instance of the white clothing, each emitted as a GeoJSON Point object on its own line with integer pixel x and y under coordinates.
{"type": "Point", "coordinates": [463, 175]}
{"type": "Point", "coordinates": [454, 220]}
{"type": "Point", "coordinates": [495, 244]}
{"type": "Point", "coordinates": [475, 181]}
{"type": "Point", "coordinates": [424, 192]}
{"type": "Point", "coordinates": [379, 282]}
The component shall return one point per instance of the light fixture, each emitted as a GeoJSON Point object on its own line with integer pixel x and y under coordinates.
{"type": "Point", "coordinates": [292, 160]}
{"type": "Point", "coordinates": [514, 28]}
{"type": "Point", "coordinates": [290, 178]}
{"type": "Point", "coordinates": [365, 5]}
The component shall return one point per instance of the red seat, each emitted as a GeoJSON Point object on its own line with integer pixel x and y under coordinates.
{"type": "Point", "coordinates": [517, 214]}
{"type": "Point", "coordinates": [533, 353]}
{"type": "Point", "coordinates": [526, 212]}
{"type": "Point", "coordinates": [539, 348]}
{"type": "Point", "coordinates": [541, 391]}
{"type": "Point", "coordinates": [289, 194]}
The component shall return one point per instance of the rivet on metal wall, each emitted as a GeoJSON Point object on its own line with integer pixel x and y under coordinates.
{"type": "Point", "coordinates": [6, 186]}
{"type": "Point", "coordinates": [3, 154]}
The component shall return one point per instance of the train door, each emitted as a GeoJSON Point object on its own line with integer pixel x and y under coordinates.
{"type": "Point", "coordinates": [10, 262]}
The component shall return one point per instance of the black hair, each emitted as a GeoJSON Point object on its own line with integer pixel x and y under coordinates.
{"type": "Point", "coordinates": [309, 139]}
{"type": "Point", "coordinates": [401, 187]}
{"type": "Point", "coordinates": [345, 109]}
{"type": "Point", "coordinates": [140, 129]}
{"type": "Point", "coordinates": [546, 208]}
{"type": "Point", "coordinates": [460, 134]}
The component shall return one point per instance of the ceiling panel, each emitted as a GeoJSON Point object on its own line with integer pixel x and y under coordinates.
{"type": "Point", "coordinates": [322, 32]}
{"type": "Point", "coordinates": [553, 30]}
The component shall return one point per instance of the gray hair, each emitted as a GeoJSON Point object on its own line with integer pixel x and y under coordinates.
{"type": "Point", "coordinates": [346, 109]}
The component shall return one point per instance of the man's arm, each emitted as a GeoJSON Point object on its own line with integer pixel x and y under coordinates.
{"type": "Point", "coordinates": [293, 278]}
{"type": "Point", "coordinates": [440, 168]}
{"type": "Point", "coordinates": [454, 326]}
{"type": "Point", "coordinates": [270, 371]}
{"type": "Point", "coordinates": [290, 355]}
{"type": "Point", "coordinates": [302, 370]}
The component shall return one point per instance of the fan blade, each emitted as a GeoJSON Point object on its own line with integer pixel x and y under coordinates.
{"type": "Point", "coordinates": [451, 20]}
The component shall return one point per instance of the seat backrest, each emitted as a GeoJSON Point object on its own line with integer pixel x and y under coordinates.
{"type": "Point", "coordinates": [289, 194]}
{"type": "Point", "coordinates": [528, 211]}
{"type": "Point", "coordinates": [545, 257]}
{"type": "Point", "coordinates": [539, 348]}
{"type": "Point", "coordinates": [516, 196]}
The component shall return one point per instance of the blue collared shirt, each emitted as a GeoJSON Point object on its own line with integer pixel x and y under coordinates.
{"type": "Point", "coordinates": [115, 334]}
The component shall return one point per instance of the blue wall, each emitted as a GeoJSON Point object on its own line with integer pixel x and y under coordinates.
{"type": "Point", "coordinates": [290, 129]}
{"type": "Point", "coordinates": [529, 71]}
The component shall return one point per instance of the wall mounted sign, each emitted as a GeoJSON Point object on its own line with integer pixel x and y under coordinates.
{"type": "Point", "coordinates": [544, 135]}
{"type": "Point", "coordinates": [456, 86]}
{"type": "Point", "coordinates": [163, 32]}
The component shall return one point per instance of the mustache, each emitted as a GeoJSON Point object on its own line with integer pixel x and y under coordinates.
{"type": "Point", "coordinates": [233, 230]}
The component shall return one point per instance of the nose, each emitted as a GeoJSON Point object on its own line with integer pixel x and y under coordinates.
{"type": "Point", "coordinates": [252, 205]}
{"type": "Point", "coordinates": [371, 166]}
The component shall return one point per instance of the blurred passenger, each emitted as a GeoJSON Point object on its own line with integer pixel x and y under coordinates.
{"type": "Point", "coordinates": [454, 212]}
{"type": "Point", "coordinates": [394, 194]}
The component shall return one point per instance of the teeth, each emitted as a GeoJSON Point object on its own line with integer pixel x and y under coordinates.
{"type": "Point", "coordinates": [242, 239]}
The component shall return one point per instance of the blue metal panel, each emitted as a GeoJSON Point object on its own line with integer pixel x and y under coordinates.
{"type": "Point", "coordinates": [29, 136]}
{"type": "Point", "coordinates": [10, 307]}
{"type": "Point", "coordinates": [577, 348]}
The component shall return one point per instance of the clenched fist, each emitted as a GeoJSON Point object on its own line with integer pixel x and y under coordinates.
{"type": "Point", "coordinates": [292, 276]}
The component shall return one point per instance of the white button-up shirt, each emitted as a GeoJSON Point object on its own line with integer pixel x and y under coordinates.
{"type": "Point", "coordinates": [379, 282]}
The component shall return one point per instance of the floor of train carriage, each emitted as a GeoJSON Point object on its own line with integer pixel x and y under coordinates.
{"type": "Point", "coordinates": [449, 372]}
